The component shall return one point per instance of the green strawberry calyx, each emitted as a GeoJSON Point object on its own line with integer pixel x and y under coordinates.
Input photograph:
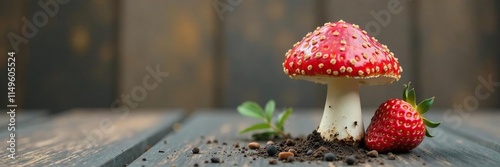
{"type": "Point", "coordinates": [424, 106]}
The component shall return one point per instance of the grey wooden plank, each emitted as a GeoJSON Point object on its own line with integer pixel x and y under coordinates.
{"type": "Point", "coordinates": [453, 150]}
{"type": "Point", "coordinates": [23, 116]}
{"type": "Point", "coordinates": [478, 126]}
{"type": "Point", "coordinates": [89, 138]}
{"type": "Point", "coordinates": [215, 124]}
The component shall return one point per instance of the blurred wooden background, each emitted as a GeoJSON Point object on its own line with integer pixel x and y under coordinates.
{"type": "Point", "coordinates": [92, 53]}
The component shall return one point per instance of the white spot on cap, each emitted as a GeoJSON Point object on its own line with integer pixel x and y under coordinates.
{"type": "Point", "coordinates": [335, 33]}
{"type": "Point", "coordinates": [349, 69]}
{"type": "Point", "coordinates": [318, 55]}
{"type": "Point", "coordinates": [342, 69]}
{"type": "Point", "coordinates": [333, 61]}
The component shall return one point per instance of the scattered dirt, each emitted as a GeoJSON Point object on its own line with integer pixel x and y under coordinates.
{"type": "Point", "coordinates": [273, 161]}
{"type": "Point", "coordinates": [196, 150]}
{"type": "Point", "coordinates": [372, 153]}
{"type": "Point", "coordinates": [215, 160]}
{"type": "Point", "coordinates": [391, 156]}
{"type": "Point", "coordinates": [253, 145]}
{"type": "Point", "coordinates": [308, 150]}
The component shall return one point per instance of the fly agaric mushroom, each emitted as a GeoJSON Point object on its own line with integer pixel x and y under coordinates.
{"type": "Point", "coordinates": [342, 56]}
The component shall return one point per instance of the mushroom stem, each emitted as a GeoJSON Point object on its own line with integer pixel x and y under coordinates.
{"type": "Point", "coordinates": [342, 118]}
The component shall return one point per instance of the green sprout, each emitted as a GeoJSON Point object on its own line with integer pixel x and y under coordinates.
{"type": "Point", "coordinates": [268, 128]}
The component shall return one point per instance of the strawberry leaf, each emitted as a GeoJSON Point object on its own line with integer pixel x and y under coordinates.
{"type": "Point", "coordinates": [430, 124]}
{"type": "Point", "coordinates": [405, 92]}
{"type": "Point", "coordinates": [425, 105]}
{"type": "Point", "coordinates": [258, 126]}
{"type": "Point", "coordinates": [283, 117]}
{"type": "Point", "coordinates": [427, 133]}
{"type": "Point", "coordinates": [270, 107]}
{"type": "Point", "coordinates": [411, 97]}
{"type": "Point", "coordinates": [251, 109]}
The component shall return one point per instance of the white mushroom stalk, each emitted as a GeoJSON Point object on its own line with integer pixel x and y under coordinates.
{"type": "Point", "coordinates": [342, 118]}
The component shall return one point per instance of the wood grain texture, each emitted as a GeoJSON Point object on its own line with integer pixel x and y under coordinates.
{"type": "Point", "coordinates": [177, 37]}
{"type": "Point", "coordinates": [480, 126]}
{"type": "Point", "coordinates": [24, 117]}
{"type": "Point", "coordinates": [391, 26]}
{"type": "Point", "coordinates": [448, 148]}
{"type": "Point", "coordinates": [89, 138]}
{"type": "Point", "coordinates": [257, 35]}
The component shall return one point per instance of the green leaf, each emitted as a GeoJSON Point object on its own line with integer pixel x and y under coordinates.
{"type": "Point", "coordinates": [251, 109]}
{"type": "Point", "coordinates": [258, 126]}
{"type": "Point", "coordinates": [405, 91]}
{"type": "Point", "coordinates": [430, 124]}
{"type": "Point", "coordinates": [427, 133]}
{"type": "Point", "coordinates": [283, 117]}
{"type": "Point", "coordinates": [411, 97]}
{"type": "Point", "coordinates": [270, 107]}
{"type": "Point", "coordinates": [425, 105]}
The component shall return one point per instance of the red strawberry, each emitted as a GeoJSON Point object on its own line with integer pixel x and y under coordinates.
{"type": "Point", "coordinates": [398, 125]}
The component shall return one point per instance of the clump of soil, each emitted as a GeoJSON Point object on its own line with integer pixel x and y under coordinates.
{"type": "Point", "coordinates": [314, 148]}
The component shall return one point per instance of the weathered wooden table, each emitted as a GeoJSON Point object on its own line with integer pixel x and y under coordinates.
{"type": "Point", "coordinates": [84, 137]}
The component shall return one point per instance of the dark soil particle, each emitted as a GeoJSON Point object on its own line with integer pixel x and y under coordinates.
{"type": "Point", "coordinates": [271, 150]}
{"type": "Point", "coordinates": [144, 159]}
{"type": "Point", "coordinates": [309, 152]}
{"type": "Point", "coordinates": [196, 165]}
{"type": "Point", "coordinates": [329, 157]}
{"type": "Point", "coordinates": [350, 160]}
{"type": "Point", "coordinates": [161, 151]}
{"type": "Point", "coordinates": [215, 160]}
{"type": "Point", "coordinates": [196, 150]}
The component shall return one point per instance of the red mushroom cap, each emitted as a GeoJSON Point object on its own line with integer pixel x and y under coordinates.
{"type": "Point", "coordinates": [341, 50]}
